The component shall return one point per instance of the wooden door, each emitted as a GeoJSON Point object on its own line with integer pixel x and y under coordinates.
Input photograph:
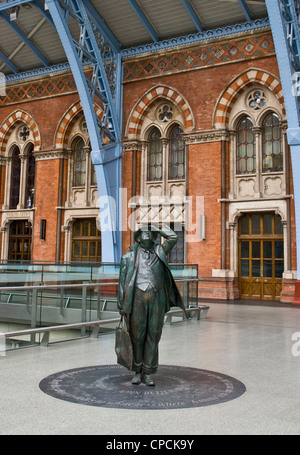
{"type": "Point", "coordinates": [20, 241]}
{"type": "Point", "coordinates": [261, 256]}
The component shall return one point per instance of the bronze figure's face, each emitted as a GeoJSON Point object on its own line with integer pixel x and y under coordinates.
{"type": "Point", "coordinates": [147, 239]}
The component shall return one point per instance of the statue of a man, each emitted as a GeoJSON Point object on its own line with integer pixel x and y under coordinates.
{"type": "Point", "coordinates": [147, 290]}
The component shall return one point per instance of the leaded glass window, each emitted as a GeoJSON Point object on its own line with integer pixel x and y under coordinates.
{"type": "Point", "coordinates": [86, 241]}
{"type": "Point", "coordinates": [30, 178]}
{"type": "Point", "coordinates": [93, 175]}
{"type": "Point", "coordinates": [176, 255]}
{"type": "Point", "coordinates": [79, 171]}
{"type": "Point", "coordinates": [15, 178]}
{"type": "Point", "coordinates": [176, 155]}
{"type": "Point", "coordinates": [20, 240]}
{"type": "Point", "coordinates": [155, 156]}
{"type": "Point", "coordinates": [246, 147]}
{"type": "Point", "coordinates": [272, 144]}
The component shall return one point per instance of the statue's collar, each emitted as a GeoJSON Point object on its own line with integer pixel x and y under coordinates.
{"type": "Point", "coordinates": [134, 247]}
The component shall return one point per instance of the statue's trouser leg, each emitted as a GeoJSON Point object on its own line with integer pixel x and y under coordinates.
{"type": "Point", "coordinates": [146, 324]}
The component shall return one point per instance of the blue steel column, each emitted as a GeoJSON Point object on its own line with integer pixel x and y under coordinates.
{"type": "Point", "coordinates": [107, 159]}
{"type": "Point", "coordinates": [285, 28]}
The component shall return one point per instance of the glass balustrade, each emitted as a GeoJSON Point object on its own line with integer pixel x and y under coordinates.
{"type": "Point", "coordinates": [39, 295]}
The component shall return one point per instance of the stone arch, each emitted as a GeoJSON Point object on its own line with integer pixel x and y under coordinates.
{"type": "Point", "coordinates": [66, 123]}
{"type": "Point", "coordinates": [19, 117]}
{"type": "Point", "coordinates": [139, 112]}
{"type": "Point", "coordinates": [230, 95]}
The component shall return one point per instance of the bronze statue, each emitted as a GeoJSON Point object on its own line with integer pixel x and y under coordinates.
{"type": "Point", "coordinates": [147, 290]}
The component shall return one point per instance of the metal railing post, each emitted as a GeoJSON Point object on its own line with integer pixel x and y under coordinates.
{"type": "Point", "coordinates": [83, 308]}
{"type": "Point", "coordinates": [33, 313]}
{"type": "Point", "coordinates": [62, 293]}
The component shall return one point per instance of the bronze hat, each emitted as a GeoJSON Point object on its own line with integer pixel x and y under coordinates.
{"type": "Point", "coordinates": [145, 228]}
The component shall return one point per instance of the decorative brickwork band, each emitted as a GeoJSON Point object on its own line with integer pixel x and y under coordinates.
{"type": "Point", "coordinates": [38, 89]}
{"type": "Point", "coordinates": [66, 124]}
{"type": "Point", "coordinates": [19, 117]}
{"type": "Point", "coordinates": [212, 53]}
{"type": "Point", "coordinates": [238, 86]}
{"type": "Point", "coordinates": [141, 109]}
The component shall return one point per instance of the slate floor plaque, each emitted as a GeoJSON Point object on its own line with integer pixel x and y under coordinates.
{"type": "Point", "coordinates": [110, 386]}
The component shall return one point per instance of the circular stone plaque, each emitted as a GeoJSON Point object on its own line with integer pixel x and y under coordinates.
{"type": "Point", "coordinates": [110, 386]}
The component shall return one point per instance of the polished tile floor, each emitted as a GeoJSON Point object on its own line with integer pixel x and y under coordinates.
{"type": "Point", "coordinates": [256, 344]}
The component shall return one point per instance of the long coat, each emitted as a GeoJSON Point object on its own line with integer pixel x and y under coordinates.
{"type": "Point", "coordinates": [128, 271]}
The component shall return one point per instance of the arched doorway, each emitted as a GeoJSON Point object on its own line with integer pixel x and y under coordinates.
{"type": "Point", "coordinates": [261, 256]}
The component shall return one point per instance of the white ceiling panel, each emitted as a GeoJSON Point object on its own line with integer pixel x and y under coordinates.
{"type": "Point", "coordinates": [169, 19]}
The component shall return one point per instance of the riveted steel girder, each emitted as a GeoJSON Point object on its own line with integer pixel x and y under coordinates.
{"type": "Point", "coordinates": [284, 19]}
{"type": "Point", "coordinates": [97, 72]}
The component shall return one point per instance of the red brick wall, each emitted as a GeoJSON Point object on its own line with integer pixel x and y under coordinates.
{"type": "Point", "coordinates": [47, 176]}
{"type": "Point", "coordinates": [127, 182]}
{"type": "Point", "coordinates": [46, 113]}
{"type": "Point", "coordinates": [205, 181]}
{"type": "Point", "coordinates": [201, 89]}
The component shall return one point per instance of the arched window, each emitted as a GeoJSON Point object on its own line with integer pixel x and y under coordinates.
{"type": "Point", "coordinates": [176, 155]}
{"type": "Point", "coordinates": [246, 148]}
{"type": "Point", "coordinates": [30, 178]}
{"type": "Point", "coordinates": [272, 144]}
{"type": "Point", "coordinates": [15, 178]}
{"type": "Point", "coordinates": [155, 156]}
{"type": "Point", "coordinates": [93, 175]}
{"type": "Point", "coordinates": [79, 169]}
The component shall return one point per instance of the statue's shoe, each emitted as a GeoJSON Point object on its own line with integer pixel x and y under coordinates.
{"type": "Point", "coordinates": [137, 379]}
{"type": "Point", "coordinates": [146, 379]}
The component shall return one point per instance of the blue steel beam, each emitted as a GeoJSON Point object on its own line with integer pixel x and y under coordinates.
{"type": "Point", "coordinates": [8, 62]}
{"type": "Point", "coordinates": [193, 15]}
{"type": "Point", "coordinates": [41, 8]}
{"type": "Point", "coordinates": [283, 19]}
{"type": "Point", "coordinates": [24, 38]}
{"type": "Point", "coordinates": [102, 27]}
{"type": "Point", "coordinates": [88, 47]}
{"type": "Point", "coordinates": [246, 10]}
{"type": "Point", "coordinates": [141, 15]}
{"type": "Point", "coordinates": [107, 159]}
{"type": "Point", "coordinates": [11, 3]}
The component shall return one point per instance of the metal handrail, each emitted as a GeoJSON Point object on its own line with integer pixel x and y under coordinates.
{"type": "Point", "coordinates": [79, 325]}
{"type": "Point", "coordinates": [91, 284]}
{"type": "Point", "coordinates": [76, 325]}
{"type": "Point", "coordinates": [54, 286]}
